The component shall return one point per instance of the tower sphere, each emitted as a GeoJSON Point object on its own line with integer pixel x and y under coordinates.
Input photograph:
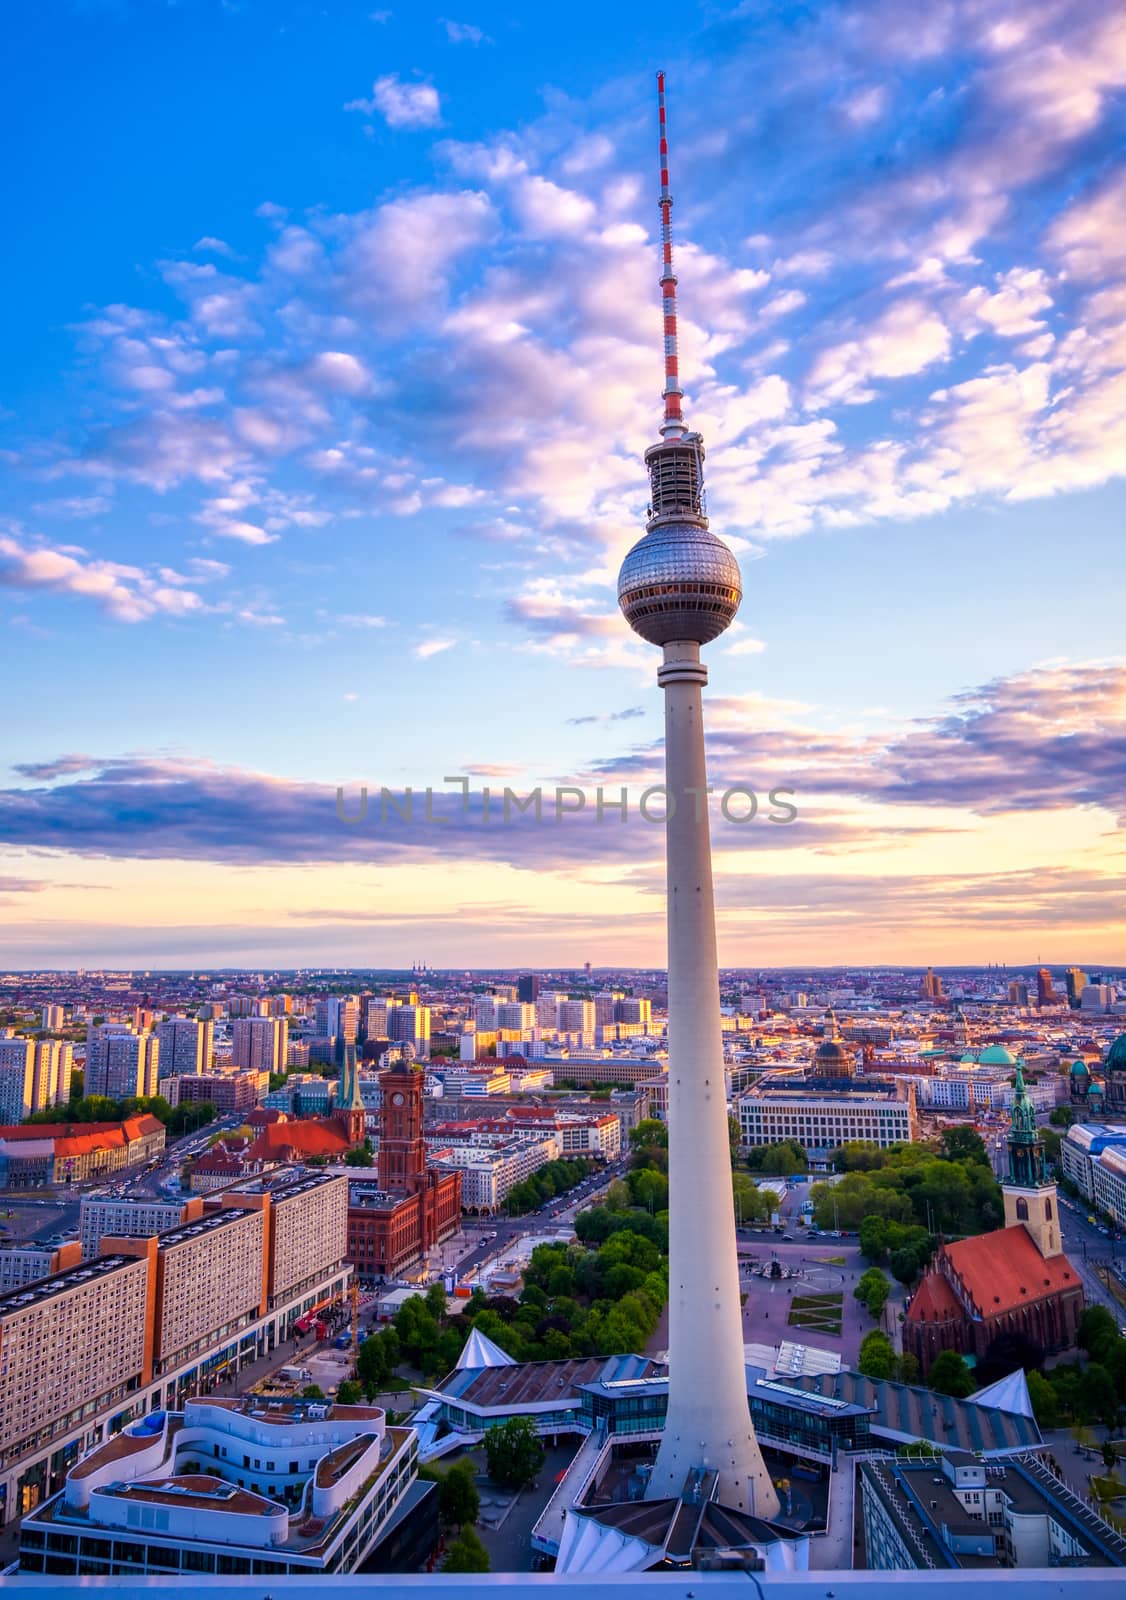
{"type": "Point", "coordinates": [679, 582]}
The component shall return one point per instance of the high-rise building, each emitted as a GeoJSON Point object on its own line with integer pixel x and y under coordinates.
{"type": "Point", "coordinates": [1076, 980]}
{"type": "Point", "coordinates": [54, 1063]}
{"type": "Point", "coordinates": [120, 1062]}
{"type": "Point", "coordinates": [411, 1025]}
{"type": "Point", "coordinates": [338, 1016]}
{"type": "Point", "coordinates": [1018, 993]}
{"type": "Point", "coordinates": [634, 1010]}
{"type": "Point", "coordinates": [260, 1044]}
{"type": "Point", "coordinates": [679, 588]}
{"type": "Point", "coordinates": [604, 1003]}
{"type": "Point", "coordinates": [931, 988]}
{"type": "Point", "coordinates": [185, 1046]}
{"type": "Point", "coordinates": [17, 1080]}
{"type": "Point", "coordinates": [528, 988]}
{"type": "Point", "coordinates": [515, 1016]}
{"type": "Point", "coordinates": [52, 1018]}
{"type": "Point", "coordinates": [376, 1009]}
{"type": "Point", "coordinates": [1045, 994]}
{"type": "Point", "coordinates": [575, 1016]}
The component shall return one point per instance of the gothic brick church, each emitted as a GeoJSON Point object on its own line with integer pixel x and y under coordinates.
{"type": "Point", "coordinates": [1015, 1280]}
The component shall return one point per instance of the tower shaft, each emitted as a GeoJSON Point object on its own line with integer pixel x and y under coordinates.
{"type": "Point", "coordinates": [708, 1424]}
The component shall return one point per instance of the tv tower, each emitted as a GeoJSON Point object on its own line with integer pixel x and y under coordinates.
{"type": "Point", "coordinates": [679, 588]}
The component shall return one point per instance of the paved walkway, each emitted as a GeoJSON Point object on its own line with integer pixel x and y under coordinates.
{"type": "Point", "coordinates": [832, 1550]}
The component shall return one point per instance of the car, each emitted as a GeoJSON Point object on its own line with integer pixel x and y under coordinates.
{"type": "Point", "coordinates": [788, 1236]}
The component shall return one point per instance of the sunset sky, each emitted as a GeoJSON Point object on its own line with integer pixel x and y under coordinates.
{"type": "Point", "coordinates": [332, 348]}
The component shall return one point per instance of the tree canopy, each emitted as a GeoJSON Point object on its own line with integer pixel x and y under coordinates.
{"type": "Point", "coordinates": [514, 1452]}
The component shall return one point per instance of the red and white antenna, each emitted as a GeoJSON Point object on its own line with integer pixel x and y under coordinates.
{"type": "Point", "coordinates": [673, 425]}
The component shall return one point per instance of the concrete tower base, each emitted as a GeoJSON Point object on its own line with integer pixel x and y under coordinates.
{"type": "Point", "coordinates": [709, 1425]}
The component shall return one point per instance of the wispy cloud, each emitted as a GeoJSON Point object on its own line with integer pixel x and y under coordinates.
{"type": "Point", "coordinates": [401, 105]}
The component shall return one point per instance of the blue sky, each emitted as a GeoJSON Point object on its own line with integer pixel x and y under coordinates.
{"type": "Point", "coordinates": [332, 340]}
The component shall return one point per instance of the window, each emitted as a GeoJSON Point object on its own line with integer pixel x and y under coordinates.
{"type": "Point", "coordinates": [1022, 1209]}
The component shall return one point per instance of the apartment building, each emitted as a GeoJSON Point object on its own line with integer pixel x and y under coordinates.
{"type": "Point", "coordinates": [129, 1218]}
{"type": "Point", "coordinates": [260, 1044]}
{"type": "Point", "coordinates": [214, 1266]}
{"type": "Point", "coordinates": [20, 1264]}
{"type": "Point", "coordinates": [155, 1320]}
{"type": "Point", "coordinates": [308, 1225]}
{"type": "Point", "coordinates": [186, 1045]}
{"type": "Point", "coordinates": [120, 1061]}
{"type": "Point", "coordinates": [17, 1077]}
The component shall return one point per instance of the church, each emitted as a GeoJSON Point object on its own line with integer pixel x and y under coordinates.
{"type": "Point", "coordinates": [1016, 1280]}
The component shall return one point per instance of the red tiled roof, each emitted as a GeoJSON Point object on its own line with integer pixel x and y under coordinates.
{"type": "Point", "coordinates": [1004, 1269]}
{"type": "Point", "coordinates": [310, 1136]}
{"type": "Point", "coordinates": [934, 1300]}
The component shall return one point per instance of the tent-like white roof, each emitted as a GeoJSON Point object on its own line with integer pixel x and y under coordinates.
{"type": "Point", "coordinates": [480, 1351]}
{"type": "Point", "coordinates": [1007, 1394]}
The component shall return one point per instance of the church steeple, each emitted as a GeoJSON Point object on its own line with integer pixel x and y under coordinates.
{"type": "Point", "coordinates": [1028, 1192]}
{"type": "Point", "coordinates": [349, 1101]}
{"type": "Point", "coordinates": [1027, 1169]}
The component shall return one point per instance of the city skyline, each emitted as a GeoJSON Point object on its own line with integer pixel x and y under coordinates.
{"type": "Point", "coordinates": [319, 465]}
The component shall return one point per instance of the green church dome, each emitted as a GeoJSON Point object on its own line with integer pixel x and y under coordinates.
{"type": "Point", "coordinates": [997, 1056]}
{"type": "Point", "coordinates": [1116, 1055]}
{"type": "Point", "coordinates": [1079, 1069]}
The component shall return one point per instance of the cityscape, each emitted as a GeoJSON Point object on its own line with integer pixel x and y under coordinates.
{"type": "Point", "coordinates": [469, 1119]}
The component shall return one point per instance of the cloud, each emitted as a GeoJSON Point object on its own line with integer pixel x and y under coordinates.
{"type": "Point", "coordinates": [464, 32]}
{"type": "Point", "coordinates": [1090, 236]}
{"type": "Point", "coordinates": [905, 339]}
{"type": "Point", "coordinates": [628, 715]}
{"type": "Point", "coordinates": [401, 105]}
{"type": "Point", "coordinates": [432, 647]}
{"type": "Point", "coordinates": [125, 593]}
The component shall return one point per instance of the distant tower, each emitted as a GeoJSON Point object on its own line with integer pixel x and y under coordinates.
{"type": "Point", "coordinates": [679, 588]}
{"type": "Point", "coordinates": [1029, 1194]}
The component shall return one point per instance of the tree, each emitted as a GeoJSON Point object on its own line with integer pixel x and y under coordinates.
{"type": "Point", "coordinates": [360, 1155]}
{"type": "Point", "coordinates": [964, 1144]}
{"type": "Point", "coordinates": [1045, 1407]}
{"type": "Point", "coordinates": [877, 1356]}
{"type": "Point", "coordinates": [313, 1391]}
{"type": "Point", "coordinates": [950, 1375]}
{"type": "Point", "coordinates": [436, 1299]}
{"type": "Point", "coordinates": [1061, 1117]}
{"type": "Point", "coordinates": [349, 1393]}
{"type": "Point", "coordinates": [1097, 1398]}
{"type": "Point", "coordinates": [466, 1554]}
{"type": "Point", "coordinates": [649, 1131]}
{"type": "Point", "coordinates": [514, 1453]}
{"type": "Point", "coordinates": [1110, 1455]}
{"type": "Point", "coordinates": [1097, 1332]}
{"type": "Point", "coordinates": [907, 1368]}
{"type": "Point", "coordinates": [873, 1290]}
{"type": "Point", "coordinates": [874, 1239]}
{"type": "Point", "coordinates": [460, 1501]}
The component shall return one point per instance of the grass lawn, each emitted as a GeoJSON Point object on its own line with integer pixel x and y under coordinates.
{"type": "Point", "coordinates": [818, 1313]}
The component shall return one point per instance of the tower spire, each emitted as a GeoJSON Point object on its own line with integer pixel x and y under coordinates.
{"type": "Point", "coordinates": [673, 425]}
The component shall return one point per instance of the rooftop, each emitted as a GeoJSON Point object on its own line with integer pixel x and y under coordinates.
{"type": "Point", "coordinates": [537, 1382]}
{"type": "Point", "coordinates": [906, 1413]}
{"type": "Point", "coordinates": [17, 1300]}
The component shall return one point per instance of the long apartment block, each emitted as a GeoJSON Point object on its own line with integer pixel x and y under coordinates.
{"type": "Point", "coordinates": [157, 1319]}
